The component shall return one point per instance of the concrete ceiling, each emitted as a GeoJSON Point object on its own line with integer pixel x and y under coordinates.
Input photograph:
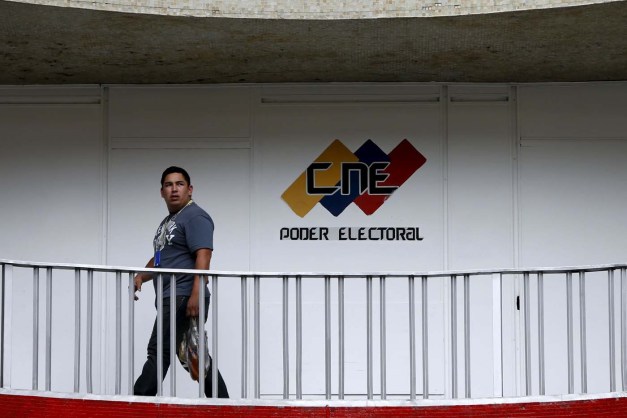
{"type": "Point", "coordinates": [57, 45]}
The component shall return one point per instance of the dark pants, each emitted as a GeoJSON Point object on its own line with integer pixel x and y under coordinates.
{"type": "Point", "coordinates": [146, 384]}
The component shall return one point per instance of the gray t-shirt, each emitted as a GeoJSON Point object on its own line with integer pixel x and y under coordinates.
{"type": "Point", "coordinates": [186, 232]}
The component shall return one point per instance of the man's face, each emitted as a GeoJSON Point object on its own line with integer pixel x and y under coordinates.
{"type": "Point", "coordinates": [176, 191]}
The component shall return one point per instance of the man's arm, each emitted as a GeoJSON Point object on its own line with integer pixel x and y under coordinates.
{"type": "Point", "coordinates": [203, 259]}
{"type": "Point", "coordinates": [140, 278]}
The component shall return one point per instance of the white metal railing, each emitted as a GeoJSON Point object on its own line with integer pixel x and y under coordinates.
{"type": "Point", "coordinates": [458, 376]}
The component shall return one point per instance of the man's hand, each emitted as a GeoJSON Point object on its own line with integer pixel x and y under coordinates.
{"type": "Point", "coordinates": [138, 281]}
{"type": "Point", "coordinates": [203, 258]}
{"type": "Point", "coordinates": [193, 304]}
{"type": "Point", "coordinates": [140, 278]}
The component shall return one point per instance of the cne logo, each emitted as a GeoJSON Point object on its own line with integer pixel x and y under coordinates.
{"type": "Point", "coordinates": [339, 177]}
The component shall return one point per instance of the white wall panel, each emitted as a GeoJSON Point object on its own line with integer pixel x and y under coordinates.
{"type": "Point", "coordinates": [480, 186]}
{"type": "Point", "coordinates": [51, 162]}
{"type": "Point", "coordinates": [52, 156]}
{"type": "Point", "coordinates": [179, 113]}
{"type": "Point", "coordinates": [572, 173]}
{"type": "Point", "coordinates": [480, 210]}
{"type": "Point", "coordinates": [290, 132]}
{"type": "Point", "coordinates": [572, 198]}
{"type": "Point", "coordinates": [289, 137]}
{"type": "Point", "coordinates": [585, 110]}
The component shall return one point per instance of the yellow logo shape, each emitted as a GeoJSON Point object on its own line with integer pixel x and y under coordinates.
{"type": "Point", "coordinates": [296, 195]}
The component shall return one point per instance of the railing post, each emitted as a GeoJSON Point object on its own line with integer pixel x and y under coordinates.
{"type": "Point", "coordinates": [383, 336]}
{"type": "Point", "coordinates": [201, 340]}
{"type": "Point", "coordinates": [35, 382]}
{"type": "Point", "coordinates": [453, 336]}
{"type": "Point", "coordinates": [244, 307]}
{"type": "Point", "coordinates": [569, 331]}
{"type": "Point", "coordinates": [612, 330]}
{"type": "Point", "coordinates": [244, 302]}
{"type": "Point", "coordinates": [497, 333]}
{"type": "Point", "coordinates": [340, 314]}
{"type": "Point", "coordinates": [2, 298]}
{"type": "Point", "coordinates": [369, 336]}
{"type": "Point", "coordinates": [327, 337]}
{"type": "Point", "coordinates": [286, 348]}
{"type": "Point", "coordinates": [412, 339]}
{"type": "Point", "coordinates": [6, 312]}
{"type": "Point", "coordinates": [467, 388]}
{"type": "Point", "coordinates": [425, 339]}
{"type": "Point", "coordinates": [160, 335]}
{"type": "Point", "coordinates": [623, 325]}
{"type": "Point", "coordinates": [118, 332]}
{"type": "Point", "coordinates": [90, 331]}
{"type": "Point", "coordinates": [541, 368]}
{"type": "Point", "coordinates": [582, 332]}
{"type": "Point", "coordinates": [131, 332]}
{"type": "Point", "coordinates": [527, 328]}
{"type": "Point", "coordinates": [173, 335]}
{"type": "Point", "coordinates": [257, 348]}
{"type": "Point", "coordinates": [77, 330]}
{"type": "Point", "coordinates": [48, 329]}
{"type": "Point", "coordinates": [299, 338]}
{"type": "Point", "coordinates": [214, 335]}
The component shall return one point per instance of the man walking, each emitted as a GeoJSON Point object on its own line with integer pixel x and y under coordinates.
{"type": "Point", "coordinates": [184, 240]}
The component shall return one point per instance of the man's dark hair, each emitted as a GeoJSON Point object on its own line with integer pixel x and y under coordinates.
{"type": "Point", "coordinates": [175, 169]}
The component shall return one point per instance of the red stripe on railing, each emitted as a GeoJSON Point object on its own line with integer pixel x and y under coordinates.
{"type": "Point", "coordinates": [14, 406]}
